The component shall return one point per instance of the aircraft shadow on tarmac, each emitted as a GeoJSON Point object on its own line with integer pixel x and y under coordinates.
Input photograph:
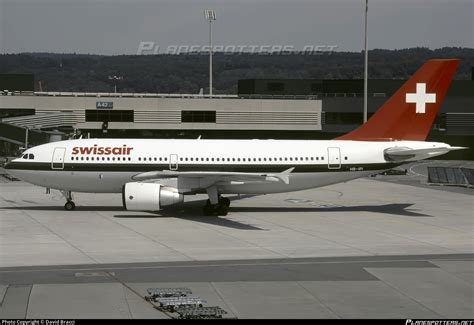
{"type": "Point", "coordinates": [400, 209]}
{"type": "Point", "coordinates": [192, 211]}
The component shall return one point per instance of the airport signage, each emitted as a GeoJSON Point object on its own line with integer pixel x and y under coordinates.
{"type": "Point", "coordinates": [104, 105]}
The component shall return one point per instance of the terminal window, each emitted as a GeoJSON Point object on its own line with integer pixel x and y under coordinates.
{"type": "Point", "coordinates": [198, 116]}
{"type": "Point", "coordinates": [276, 86]}
{"type": "Point", "coordinates": [14, 112]}
{"type": "Point", "coordinates": [93, 115]}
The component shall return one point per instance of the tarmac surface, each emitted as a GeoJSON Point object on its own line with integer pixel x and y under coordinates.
{"type": "Point", "coordinates": [381, 247]}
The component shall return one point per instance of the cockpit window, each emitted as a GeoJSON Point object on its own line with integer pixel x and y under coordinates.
{"type": "Point", "coordinates": [31, 156]}
{"type": "Point", "coordinates": [25, 157]}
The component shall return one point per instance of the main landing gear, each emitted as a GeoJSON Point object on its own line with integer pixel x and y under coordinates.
{"type": "Point", "coordinates": [216, 205]}
{"type": "Point", "coordinates": [69, 202]}
{"type": "Point", "coordinates": [219, 209]}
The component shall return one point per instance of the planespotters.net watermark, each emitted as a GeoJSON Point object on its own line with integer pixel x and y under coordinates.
{"type": "Point", "coordinates": [438, 322]}
{"type": "Point", "coordinates": [151, 48]}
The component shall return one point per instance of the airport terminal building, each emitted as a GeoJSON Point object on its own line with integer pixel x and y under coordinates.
{"type": "Point", "coordinates": [263, 108]}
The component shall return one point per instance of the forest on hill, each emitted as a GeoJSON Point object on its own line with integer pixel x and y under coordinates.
{"type": "Point", "coordinates": [188, 73]}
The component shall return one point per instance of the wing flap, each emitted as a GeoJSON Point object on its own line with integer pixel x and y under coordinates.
{"type": "Point", "coordinates": [217, 176]}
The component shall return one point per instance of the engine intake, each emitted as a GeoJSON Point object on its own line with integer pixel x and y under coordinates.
{"type": "Point", "coordinates": [138, 196]}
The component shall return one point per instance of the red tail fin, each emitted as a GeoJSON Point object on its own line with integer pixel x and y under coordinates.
{"type": "Point", "coordinates": [409, 113]}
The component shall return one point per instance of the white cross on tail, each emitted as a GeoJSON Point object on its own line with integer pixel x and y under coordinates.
{"type": "Point", "coordinates": [421, 98]}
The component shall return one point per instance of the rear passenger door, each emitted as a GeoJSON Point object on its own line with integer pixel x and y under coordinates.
{"type": "Point", "coordinates": [334, 158]}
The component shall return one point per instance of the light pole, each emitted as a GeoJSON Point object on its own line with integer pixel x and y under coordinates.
{"type": "Point", "coordinates": [115, 82]}
{"type": "Point", "coordinates": [366, 60]}
{"type": "Point", "coordinates": [210, 15]}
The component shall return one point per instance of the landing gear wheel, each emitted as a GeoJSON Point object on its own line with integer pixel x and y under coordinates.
{"type": "Point", "coordinates": [224, 201]}
{"type": "Point", "coordinates": [222, 210]}
{"type": "Point", "coordinates": [69, 206]}
{"type": "Point", "coordinates": [208, 210]}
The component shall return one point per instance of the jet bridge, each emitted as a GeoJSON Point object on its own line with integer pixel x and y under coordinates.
{"type": "Point", "coordinates": [18, 135]}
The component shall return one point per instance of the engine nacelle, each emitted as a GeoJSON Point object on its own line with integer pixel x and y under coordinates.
{"type": "Point", "coordinates": [138, 196]}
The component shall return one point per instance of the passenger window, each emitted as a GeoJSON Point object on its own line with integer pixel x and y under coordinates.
{"type": "Point", "coordinates": [31, 156]}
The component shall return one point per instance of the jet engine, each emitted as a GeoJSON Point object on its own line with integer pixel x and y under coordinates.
{"type": "Point", "coordinates": [138, 196]}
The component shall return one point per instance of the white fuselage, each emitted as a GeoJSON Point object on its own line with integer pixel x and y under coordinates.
{"type": "Point", "coordinates": [105, 165]}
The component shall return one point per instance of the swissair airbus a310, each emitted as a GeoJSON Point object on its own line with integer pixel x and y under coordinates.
{"type": "Point", "coordinates": [154, 173]}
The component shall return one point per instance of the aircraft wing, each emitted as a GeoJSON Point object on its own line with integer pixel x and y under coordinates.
{"type": "Point", "coordinates": [409, 154]}
{"type": "Point", "coordinates": [216, 177]}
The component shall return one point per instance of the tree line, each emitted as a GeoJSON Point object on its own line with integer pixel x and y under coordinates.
{"type": "Point", "coordinates": [189, 73]}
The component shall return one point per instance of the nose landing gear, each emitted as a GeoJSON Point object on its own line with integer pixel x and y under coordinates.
{"type": "Point", "coordinates": [69, 206]}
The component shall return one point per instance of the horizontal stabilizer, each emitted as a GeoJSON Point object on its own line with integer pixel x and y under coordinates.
{"type": "Point", "coordinates": [409, 154]}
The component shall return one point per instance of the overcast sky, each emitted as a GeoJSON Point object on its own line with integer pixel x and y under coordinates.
{"type": "Point", "coordinates": [118, 26]}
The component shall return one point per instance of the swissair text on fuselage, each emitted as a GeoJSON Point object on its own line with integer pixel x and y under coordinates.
{"type": "Point", "coordinates": [95, 150]}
